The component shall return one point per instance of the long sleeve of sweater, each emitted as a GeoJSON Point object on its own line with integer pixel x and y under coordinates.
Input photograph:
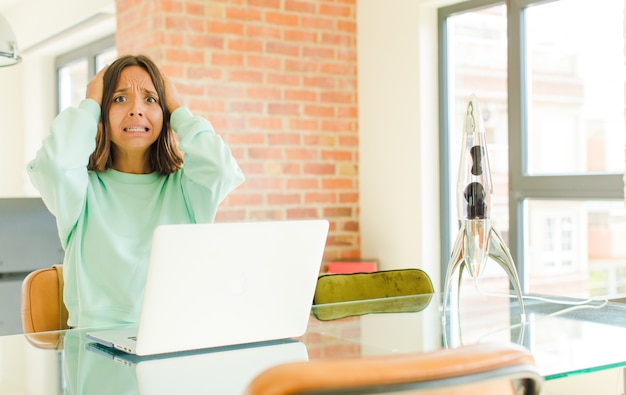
{"type": "Point", "coordinates": [208, 164]}
{"type": "Point", "coordinates": [59, 170]}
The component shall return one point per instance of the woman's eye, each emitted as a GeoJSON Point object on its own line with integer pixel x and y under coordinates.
{"type": "Point", "coordinates": [119, 99]}
{"type": "Point", "coordinates": [151, 100]}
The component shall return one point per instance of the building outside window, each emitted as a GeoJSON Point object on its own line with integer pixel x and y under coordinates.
{"type": "Point", "coordinates": [552, 96]}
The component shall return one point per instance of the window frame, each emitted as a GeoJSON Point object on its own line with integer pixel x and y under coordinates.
{"type": "Point", "coordinates": [89, 52]}
{"type": "Point", "coordinates": [522, 186]}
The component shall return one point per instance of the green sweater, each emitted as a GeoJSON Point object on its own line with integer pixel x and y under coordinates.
{"type": "Point", "coordinates": [105, 219]}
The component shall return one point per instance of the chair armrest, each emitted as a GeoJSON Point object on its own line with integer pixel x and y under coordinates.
{"type": "Point", "coordinates": [449, 367]}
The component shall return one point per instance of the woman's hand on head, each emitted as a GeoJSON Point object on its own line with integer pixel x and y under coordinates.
{"type": "Point", "coordinates": [172, 101]}
{"type": "Point", "coordinates": [96, 86]}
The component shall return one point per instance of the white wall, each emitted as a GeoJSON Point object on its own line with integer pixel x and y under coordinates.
{"type": "Point", "coordinates": [26, 107]}
{"type": "Point", "coordinates": [398, 133]}
{"type": "Point", "coordinates": [11, 141]}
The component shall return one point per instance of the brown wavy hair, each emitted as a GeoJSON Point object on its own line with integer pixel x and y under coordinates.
{"type": "Point", "coordinates": [164, 156]}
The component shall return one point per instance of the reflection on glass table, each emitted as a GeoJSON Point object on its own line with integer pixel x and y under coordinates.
{"type": "Point", "coordinates": [565, 339]}
{"type": "Point", "coordinates": [564, 334]}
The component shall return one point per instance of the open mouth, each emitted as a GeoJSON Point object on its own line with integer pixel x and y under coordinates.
{"type": "Point", "coordinates": [136, 129]}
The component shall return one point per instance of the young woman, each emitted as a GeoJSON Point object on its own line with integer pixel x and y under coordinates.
{"type": "Point", "coordinates": [128, 158]}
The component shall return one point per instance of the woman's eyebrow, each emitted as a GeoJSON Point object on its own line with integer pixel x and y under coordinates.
{"type": "Point", "coordinates": [145, 90]}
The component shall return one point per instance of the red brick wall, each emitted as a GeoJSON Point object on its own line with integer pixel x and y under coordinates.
{"type": "Point", "coordinates": [277, 78]}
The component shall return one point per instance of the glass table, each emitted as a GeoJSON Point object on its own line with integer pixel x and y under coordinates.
{"type": "Point", "coordinates": [567, 337]}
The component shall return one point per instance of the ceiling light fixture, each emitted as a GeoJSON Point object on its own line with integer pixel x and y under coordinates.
{"type": "Point", "coordinates": [8, 45]}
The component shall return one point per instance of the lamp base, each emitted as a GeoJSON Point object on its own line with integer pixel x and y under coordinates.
{"type": "Point", "coordinates": [498, 251]}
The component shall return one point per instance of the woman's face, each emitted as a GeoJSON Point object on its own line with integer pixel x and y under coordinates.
{"type": "Point", "coordinates": [135, 116]}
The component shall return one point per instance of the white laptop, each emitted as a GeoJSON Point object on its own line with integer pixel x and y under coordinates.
{"type": "Point", "coordinates": [222, 284]}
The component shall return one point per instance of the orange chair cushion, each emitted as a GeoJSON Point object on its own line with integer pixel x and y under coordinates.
{"type": "Point", "coordinates": [42, 303]}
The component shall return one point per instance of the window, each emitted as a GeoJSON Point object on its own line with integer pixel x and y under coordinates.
{"type": "Point", "coordinates": [75, 69]}
{"type": "Point", "coordinates": [552, 100]}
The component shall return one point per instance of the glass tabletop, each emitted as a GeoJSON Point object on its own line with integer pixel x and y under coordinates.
{"type": "Point", "coordinates": [566, 336]}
